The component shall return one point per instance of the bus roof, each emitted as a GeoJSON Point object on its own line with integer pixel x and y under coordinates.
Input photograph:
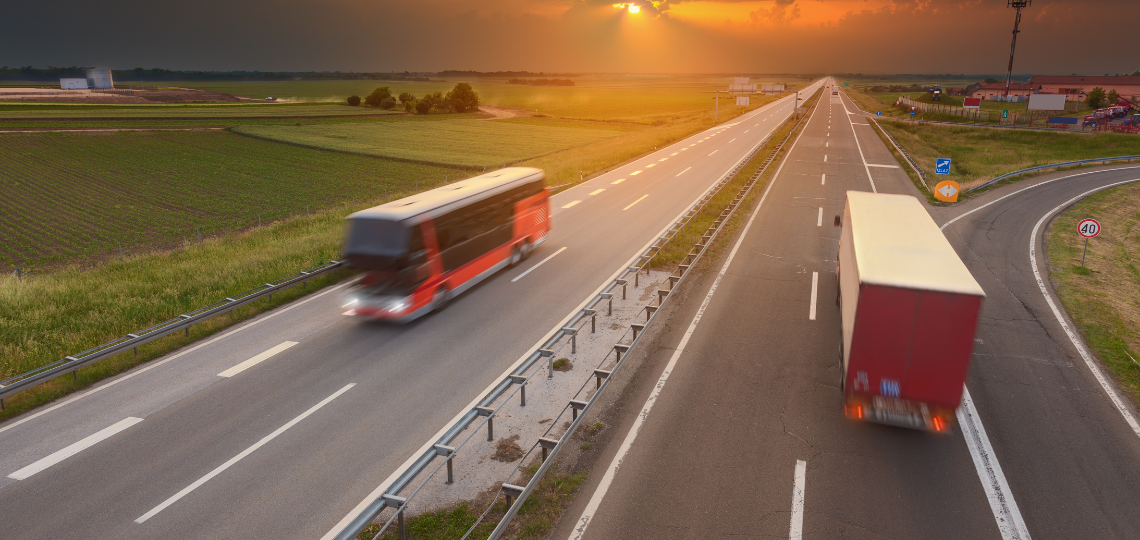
{"type": "Point", "coordinates": [438, 200]}
{"type": "Point", "coordinates": [898, 244]}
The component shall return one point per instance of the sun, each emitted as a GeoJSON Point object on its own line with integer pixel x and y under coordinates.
{"type": "Point", "coordinates": [634, 8]}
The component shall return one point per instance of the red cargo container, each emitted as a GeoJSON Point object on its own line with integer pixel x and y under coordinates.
{"type": "Point", "coordinates": [909, 308]}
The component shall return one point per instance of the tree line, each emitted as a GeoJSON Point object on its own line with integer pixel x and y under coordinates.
{"type": "Point", "coordinates": [462, 98]}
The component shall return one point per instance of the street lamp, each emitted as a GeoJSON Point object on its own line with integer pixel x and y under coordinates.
{"type": "Point", "coordinates": [1016, 4]}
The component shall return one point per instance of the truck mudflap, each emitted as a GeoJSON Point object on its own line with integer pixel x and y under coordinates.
{"type": "Point", "coordinates": [899, 412]}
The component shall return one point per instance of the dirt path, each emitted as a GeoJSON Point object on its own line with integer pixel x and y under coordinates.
{"type": "Point", "coordinates": [499, 113]}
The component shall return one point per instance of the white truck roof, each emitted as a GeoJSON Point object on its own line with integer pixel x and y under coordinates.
{"type": "Point", "coordinates": [897, 244]}
{"type": "Point", "coordinates": [439, 199]}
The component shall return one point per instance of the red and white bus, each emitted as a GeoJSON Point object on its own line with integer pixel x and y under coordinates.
{"type": "Point", "coordinates": [419, 252]}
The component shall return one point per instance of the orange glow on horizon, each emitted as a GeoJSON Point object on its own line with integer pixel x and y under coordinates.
{"type": "Point", "coordinates": [766, 12]}
{"type": "Point", "coordinates": [633, 8]}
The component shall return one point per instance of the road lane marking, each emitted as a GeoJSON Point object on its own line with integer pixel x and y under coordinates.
{"type": "Point", "coordinates": [607, 479]}
{"type": "Point", "coordinates": [819, 218]}
{"type": "Point", "coordinates": [540, 263]}
{"type": "Point", "coordinates": [825, 158]}
{"type": "Point", "coordinates": [713, 152]}
{"type": "Point", "coordinates": [186, 491]}
{"type": "Point", "coordinates": [675, 153]}
{"type": "Point", "coordinates": [860, 147]}
{"type": "Point", "coordinates": [618, 181]}
{"type": "Point", "coordinates": [663, 159]}
{"type": "Point", "coordinates": [1008, 517]}
{"type": "Point", "coordinates": [826, 144]}
{"type": "Point", "coordinates": [597, 191]}
{"type": "Point", "coordinates": [746, 131]}
{"type": "Point", "coordinates": [814, 289]}
{"type": "Point", "coordinates": [571, 204]}
{"type": "Point", "coordinates": [684, 171]}
{"type": "Point", "coordinates": [683, 149]}
{"type": "Point", "coordinates": [651, 165]}
{"type": "Point", "coordinates": [75, 448]}
{"type": "Point", "coordinates": [173, 357]}
{"type": "Point", "coordinates": [823, 179]}
{"type": "Point", "coordinates": [733, 139]}
{"type": "Point", "coordinates": [635, 173]}
{"type": "Point", "coordinates": [256, 359]}
{"type": "Point", "coordinates": [796, 529]}
{"type": "Point", "coordinates": [883, 166]}
{"type": "Point", "coordinates": [634, 202]}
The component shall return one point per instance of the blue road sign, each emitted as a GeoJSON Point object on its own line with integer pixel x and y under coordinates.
{"type": "Point", "coordinates": [912, 113]}
{"type": "Point", "coordinates": [942, 166]}
{"type": "Point", "coordinates": [878, 113]}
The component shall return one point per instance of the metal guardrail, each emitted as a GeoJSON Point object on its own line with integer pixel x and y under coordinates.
{"type": "Point", "coordinates": [1052, 166]}
{"type": "Point", "coordinates": [71, 364]}
{"type": "Point", "coordinates": [909, 160]}
{"type": "Point", "coordinates": [515, 382]}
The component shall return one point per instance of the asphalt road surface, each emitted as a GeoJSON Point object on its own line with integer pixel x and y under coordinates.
{"type": "Point", "coordinates": [736, 429]}
{"type": "Point", "coordinates": [281, 426]}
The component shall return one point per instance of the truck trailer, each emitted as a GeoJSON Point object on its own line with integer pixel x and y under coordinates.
{"type": "Point", "coordinates": [909, 309]}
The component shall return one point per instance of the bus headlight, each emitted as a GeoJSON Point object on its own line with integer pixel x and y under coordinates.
{"type": "Point", "coordinates": [397, 305]}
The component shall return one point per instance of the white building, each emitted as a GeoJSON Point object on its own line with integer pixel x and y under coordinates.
{"type": "Point", "coordinates": [99, 78]}
{"type": "Point", "coordinates": [73, 84]}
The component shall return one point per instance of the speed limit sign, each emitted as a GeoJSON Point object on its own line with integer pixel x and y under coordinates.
{"type": "Point", "coordinates": [1088, 228]}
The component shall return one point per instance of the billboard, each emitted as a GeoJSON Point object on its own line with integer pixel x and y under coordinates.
{"type": "Point", "coordinates": [1047, 102]}
{"type": "Point", "coordinates": [972, 103]}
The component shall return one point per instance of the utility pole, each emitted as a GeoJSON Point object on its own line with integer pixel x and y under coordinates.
{"type": "Point", "coordinates": [1016, 4]}
{"type": "Point", "coordinates": [716, 109]}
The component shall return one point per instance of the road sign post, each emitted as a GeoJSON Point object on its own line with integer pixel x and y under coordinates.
{"type": "Point", "coordinates": [942, 166]}
{"type": "Point", "coordinates": [1087, 228]}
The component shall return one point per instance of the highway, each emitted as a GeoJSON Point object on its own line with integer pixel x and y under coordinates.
{"type": "Point", "coordinates": [281, 426]}
{"type": "Point", "coordinates": [733, 425]}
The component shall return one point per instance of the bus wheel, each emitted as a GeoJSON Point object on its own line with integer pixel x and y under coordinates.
{"type": "Point", "coordinates": [442, 297]}
{"type": "Point", "coordinates": [527, 248]}
{"type": "Point", "coordinates": [516, 256]}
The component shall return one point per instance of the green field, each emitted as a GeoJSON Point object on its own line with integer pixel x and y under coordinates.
{"type": "Point", "coordinates": [981, 154]}
{"type": "Point", "coordinates": [76, 196]}
{"type": "Point", "coordinates": [55, 111]}
{"type": "Point", "coordinates": [460, 143]}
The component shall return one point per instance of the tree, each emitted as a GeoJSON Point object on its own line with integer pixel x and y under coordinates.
{"type": "Point", "coordinates": [425, 104]}
{"type": "Point", "coordinates": [354, 100]}
{"type": "Point", "coordinates": [388, 103]}
{"type": "Point", "coordinates": [409, 105]}
{"type": "Point", "coordinates": [1095, 98]}
{"type": "Point", "coordinates": [991, 80]}
{"type": "Point", "coordinates": [377, 96]}
{"type": "Point", "coordinates": [462, 98]}
{"type": "Point", "coordinates": [1136, 73]}
{"type": "Point", "coordinates": [406, 97]}
{"type": "Point", "coordinates": [1113, 97]}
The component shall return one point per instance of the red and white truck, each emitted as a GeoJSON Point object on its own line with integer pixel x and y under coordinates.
{"type": "Point", "coordinates": [909, 309]}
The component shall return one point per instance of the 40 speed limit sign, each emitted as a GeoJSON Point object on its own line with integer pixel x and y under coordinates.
{"type": "Point", "coordinates": [1088, 228]}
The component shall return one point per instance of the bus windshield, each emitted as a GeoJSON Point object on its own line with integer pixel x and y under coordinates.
{"type": "Point", "coordinates": [391, 250]}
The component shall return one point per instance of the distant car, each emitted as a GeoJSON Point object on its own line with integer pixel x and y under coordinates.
{"type": "Point", "coordinates": [270, 99]}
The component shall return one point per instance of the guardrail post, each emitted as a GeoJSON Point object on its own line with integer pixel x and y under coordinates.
{"type": "Point", "coordinates": [622, 282]}
{"type": "Point", "coordinates": [649, 310]}
{"type": "Point", "coordinates": [547, 445]}
{"type": "Point", "coordinates": [661, 295]}
{"type": "Point", "coordinates": [2, 407]}
{"type": "Point", "coordinates": [397, 502]}
{"type": "Point", "coordinates": [573, 333]}
{"type": "Point", "coordinates": [593, 319]}
{"type": "Point", "coordinates": [490, 414]}
{"type": "Point", "coordinates": [549, 355]}
{"type": "Point", "coordinates": [521, 381]}
{"type": "Point", "coordinates": [673, 281]}
{"type": "Point", "coordinates": [575, 406]}
{"type": "Point", "coordinates": [511, 491]}
{"type": "Point", "coordinates": [610, 297]}
{"type": "Point", "coordinates": [447, 452]}
{"type": "Point", "coordinates": [600, 374]}
{"type": "Point", "coordinates": [620, 349]}
{"type": "Point", "coordinates": [636, 328]}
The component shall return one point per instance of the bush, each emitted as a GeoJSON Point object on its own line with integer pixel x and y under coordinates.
{"type": "Point", "coordinates": [409, 106]}
{"type": "Point", "coordinates": [425, 104]}
{"type": "Point", "coordinates": [406, 97]}
{"type": "Point", "coordinates": [378, 96]}
{"type": "Point", "coordinates": [462, 98]}
{"type": "Point", "coordinates": [388, 103]}
{"type": "Point", "coordinates": [354, 100]}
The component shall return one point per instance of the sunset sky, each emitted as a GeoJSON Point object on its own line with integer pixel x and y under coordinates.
{"type": "Point", "coordinates": [675, 36]}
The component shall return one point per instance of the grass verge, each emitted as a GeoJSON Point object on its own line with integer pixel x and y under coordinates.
{"type": "Point", "coordinates": [979, 155]}
{"type": "Point", "coordinates": [1103, 298]}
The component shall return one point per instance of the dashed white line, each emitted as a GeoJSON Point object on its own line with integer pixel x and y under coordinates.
{"type": "Point", "coordinates": [713, 152]}
{"type": "Point", "coordinates": [257, 359]}
{"type": "Point", "coordinates": [825, 158]}
{"type": "Point", "coordinates": [814, 295]}
{"type": "Point", "coordinates": [684, 171]}
{"type": "Point", "coordinates": [826, 144]}
{"type": "Point", "coordinates": [796, 528]}
{"type": "Point", "coordinates": [674, 153]}
{"type": "Point", "coordinates": [75, 448]}
{"type": "Point", "coordinates": [597, 191]}
{"type": "Point", "coordinates": [540, 263]}
{"type": "Point", "coordinates": [635, 173]}
{"type": "Point", "coordinates": [663, 159]}
{"type": "Point", "coordinates": [733, 139]}
{"type": "Point", "coordinates": [634, 202]}
{"type": "Point", "coordinates": [651, 165]}
{"type": "Point", "coordinates": [823, 179]}
{"type": "Point", "coordinates": [571, 204]}
{"type": "Point", "coordinates": [618, 181]}
{"type": "Point", "coordinates": [819, 218]}
{"type": "Point", "coordinates": [198, 483]}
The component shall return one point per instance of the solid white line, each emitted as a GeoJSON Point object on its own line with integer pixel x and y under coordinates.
{"type": "Point", "coordinates": [684, 171]}
{"type": "Point", "coordinates": [571, 204]}
{"type": "Point", "coordinates": [814, 291]}
{"type": "Point", "coordinates": [823, 179]}
{"type": "Point", "coordinates": [713, 152]}
{"type": "Point", "coordinates": [153, 365]}
{"type": "Point", "coordinates": [618, 181]}
{"type": "Point", "coordinates": [540, 263]}
{"type": "Point", "coordinates": [75, 448]}
{"type": "Point", "coordinates": [611, 470]}
{"type": "Point", "coordinates": [597, 191]}
{"type": "Point", "coordinates": [859, 146]}
{"type": "Point", "coordinates": [635, 202]}
{"type": "Point", "coordinates": [1008, 517]}
{"type": "Point", "coordinates": [796, 529]}
{"type": "Point", "coordinates": [883, 166]}
{"type": "Point", "coordinates": [185, 491]}
{"type": "Point", "coordinates": [256, 359]}
{"type": "Point", "coordinates": [1078, 343]}
{"type": "Point", "coordinates": [819, 218]}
